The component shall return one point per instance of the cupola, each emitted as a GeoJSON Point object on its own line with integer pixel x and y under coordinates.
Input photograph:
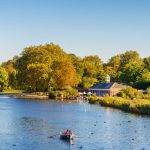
{"type": "Point", "coordinates": [107, 79]}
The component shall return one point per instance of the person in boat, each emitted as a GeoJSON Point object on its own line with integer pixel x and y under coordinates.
{"type": "Point", "coordinates": [67, 132]}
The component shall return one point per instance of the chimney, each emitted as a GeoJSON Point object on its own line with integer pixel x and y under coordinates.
{"type": "Point", "coordinates": [107, 79]}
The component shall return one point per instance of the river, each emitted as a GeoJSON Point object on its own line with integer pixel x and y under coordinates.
{"type": "Point", "coordinates": [25, 125]}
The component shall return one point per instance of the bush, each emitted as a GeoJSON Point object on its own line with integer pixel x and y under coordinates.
{"type": "Point", "coordinates": [55, 94]}
{"type": "Point", "coordinates": [71, 91]}
{"type": "Point", "coordinates": [148, 90]}
{"type": "Point", "coordinates": [130, 93]}
{"type": "Point", "coordinates": [63, 93]}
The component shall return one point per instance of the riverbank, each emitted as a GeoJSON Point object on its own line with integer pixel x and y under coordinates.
{"type": "Point", "coordinates": [38, 96]}
{"type": "Point", "coordinates": [26, 95]}
{"type": "Point", "coordinates": [139, 106]}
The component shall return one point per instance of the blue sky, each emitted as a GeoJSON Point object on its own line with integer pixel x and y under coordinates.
{"type": "Point", "coordinates": [83, 27]}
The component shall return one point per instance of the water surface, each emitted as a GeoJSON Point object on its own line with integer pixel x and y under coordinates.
{"type": "Point", "coordinates": [25, 125]}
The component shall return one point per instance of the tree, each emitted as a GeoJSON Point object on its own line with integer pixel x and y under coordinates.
{"type": "Point", "coordinates": [79, 66]}
{"type": "Point", "coordinates": [31, 55]}
{"type": "Point", "coordinates": [113, 67]}
{"type": "Point", "coordinates": [130, 57]}
{"type": "Point", "coordinates": [93, 69]}
{"type": "Point", "coordinates": [38, 77]}
{"type": "Point", "coordinates": [12, 72]}
{"type": "Point", "coordinates": [147, 63]}
{"type": "Point", "coordinates": [131, 67]}
{"type": "Point", "coordinates": [142, 84]}
{"type": "Point", "coordinates": [55, 51]}
{"type": "Point", "coordinates": [145, 75]}
{"type": "Point", "coordinates": [88, 82]}
{"type": "Point", "coordinates": [92, 65]}
{"type": "Point", "coordinates": [38, 63]}
{"type": "Point", "coordinates": [101, 75]}
{"type": "Point", "coordinates": [64, 74]}
{"type": "Point", "coordinates": [130, 74]}
{"type": "Point", "coordinates": [3, 79]}
{"type": "Point", "coordinates": [143, 80]}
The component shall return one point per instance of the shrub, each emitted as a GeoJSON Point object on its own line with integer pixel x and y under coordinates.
{"type": "Point", "coordinates": [63, 93]}
{"type": "Point", "coordinates": [71, 91]}
{"type": "Point", "coordinates": [55, 94]}
{"type": "Point", "coordinates": [148, 90]}
{"type": "Point", "coordinates": [130, 93]}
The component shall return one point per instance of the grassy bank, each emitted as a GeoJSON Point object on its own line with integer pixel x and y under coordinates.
{"type": "Point", "coordinates": [139, 106]}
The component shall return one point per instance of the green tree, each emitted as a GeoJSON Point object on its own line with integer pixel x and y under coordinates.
{"type": "Point", "coordinates": [3, 79]}
{"type": "Point", "coordinates": [130, 57]}
{"type": "Point", "coordinates": [131, 67]}
{"type": "Point", "coordinates": [38, 77]}
{"type": "Point", "coordinates": [31, 55]}
{"type": "Point", "coordinates": [145, 75]}
{"type": "Point", "coordinates": [92, 65]}
{"type": "Point", "coordinates": [147, 63]}
{"type": "Point", "coordinates": [113, 67]}
{"type": "Point", "coordinates": [88, 82]}
{"type": "Point", "coordinates": [12, 72]}
{"type": "Point", "coordinates": [93, 69]}
{"type": "Point", "coordinates": [143, 80]}
{"type": "Point", "coordinates": [130, 74]}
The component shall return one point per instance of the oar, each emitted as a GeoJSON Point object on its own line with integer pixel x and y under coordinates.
{"type": "Point", "coordinates": [51, 136]}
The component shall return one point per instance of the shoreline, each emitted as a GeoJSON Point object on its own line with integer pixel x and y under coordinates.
{"type": "Point", "coordinates": [141, 107]}
{"type": "Point", "coordinates": [130, 106]}
{"type": "Point", "coordinates": [26, 95]}
{"type": "Point", "coordinates": [33, 96]}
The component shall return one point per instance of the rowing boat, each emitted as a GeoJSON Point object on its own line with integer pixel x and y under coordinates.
{"type": "Point", "coordinates": [65, 136]}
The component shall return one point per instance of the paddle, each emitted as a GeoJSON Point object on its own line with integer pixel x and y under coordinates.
{"type": "Point", "coordinates": [51, 136]}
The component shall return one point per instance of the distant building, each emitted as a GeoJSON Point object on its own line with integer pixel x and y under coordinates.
{"type": "Point", "coordinates": [106, 88]}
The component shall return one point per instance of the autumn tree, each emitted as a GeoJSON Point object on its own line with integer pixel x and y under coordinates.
{"type": "Point", "coordinates": [79, 66]}
{"type": "Point", "coordinates": [39, 66]}
{"type": "Point", "coordinates": [64, 74]}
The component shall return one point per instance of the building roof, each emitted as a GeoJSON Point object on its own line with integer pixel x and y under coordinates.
{"type": "Point", "coordinates": [103, 85]}
{"type": "Point", "coordinates": [108, 86]}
